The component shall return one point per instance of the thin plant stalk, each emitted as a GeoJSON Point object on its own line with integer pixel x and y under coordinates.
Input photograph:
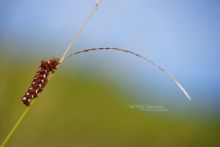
{"type": "Point", "coordinates": [16, 125]}
{"type": "Point", "coordinates": [163, 70]}
{"type": "Point", "coordinates": [62, 58]}
{"type": "Point", "coordinates": [98, 3]}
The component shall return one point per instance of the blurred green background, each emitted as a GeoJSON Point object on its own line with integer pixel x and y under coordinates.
{"type": "Point", "coordinates": [108, 99]}
{"type": "Point", "coordinates": [85, 110]}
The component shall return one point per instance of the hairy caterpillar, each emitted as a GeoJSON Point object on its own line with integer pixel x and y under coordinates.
{"type": "Point", "coordinates": [40, 79]}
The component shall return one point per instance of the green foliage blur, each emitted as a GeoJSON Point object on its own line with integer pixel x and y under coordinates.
{"type": "Point", "coordinates": [78, 110]}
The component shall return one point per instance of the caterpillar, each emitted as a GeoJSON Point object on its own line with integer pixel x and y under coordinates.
{"type": "Point", "coordinates": [40, 79]}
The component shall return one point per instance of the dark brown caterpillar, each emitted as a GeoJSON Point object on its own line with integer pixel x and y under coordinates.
{"type": "Point", "coordinates": [40, 79]}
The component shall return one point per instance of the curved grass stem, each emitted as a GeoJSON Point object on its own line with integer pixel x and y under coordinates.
{"type": "Point", "coordinates": [163, 70]}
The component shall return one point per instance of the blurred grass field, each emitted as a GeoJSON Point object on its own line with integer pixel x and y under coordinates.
{"type": "Point", "coordinates": [76, 109]}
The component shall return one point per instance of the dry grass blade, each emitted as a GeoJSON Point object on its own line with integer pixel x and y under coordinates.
{"type": "Point", "coordinates": [98, 3]}
{"type": "Point", "coordinates": [140, 56]}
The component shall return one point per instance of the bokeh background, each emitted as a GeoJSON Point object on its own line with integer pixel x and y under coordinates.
{"type": "Point", "coordinates": [97, 99]}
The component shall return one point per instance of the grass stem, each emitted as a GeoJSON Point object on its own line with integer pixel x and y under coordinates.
{"type": "Point", "coordinates": [16, 125]}
{"type": "Point", "coordinates": [62, 58]}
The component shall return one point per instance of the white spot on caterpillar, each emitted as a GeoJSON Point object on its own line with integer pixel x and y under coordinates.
{"type": "Point", "coordinates": [24, 98]}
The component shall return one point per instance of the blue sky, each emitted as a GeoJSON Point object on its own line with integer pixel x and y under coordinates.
{"type": "Point", "coordinates": [181, 35]}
